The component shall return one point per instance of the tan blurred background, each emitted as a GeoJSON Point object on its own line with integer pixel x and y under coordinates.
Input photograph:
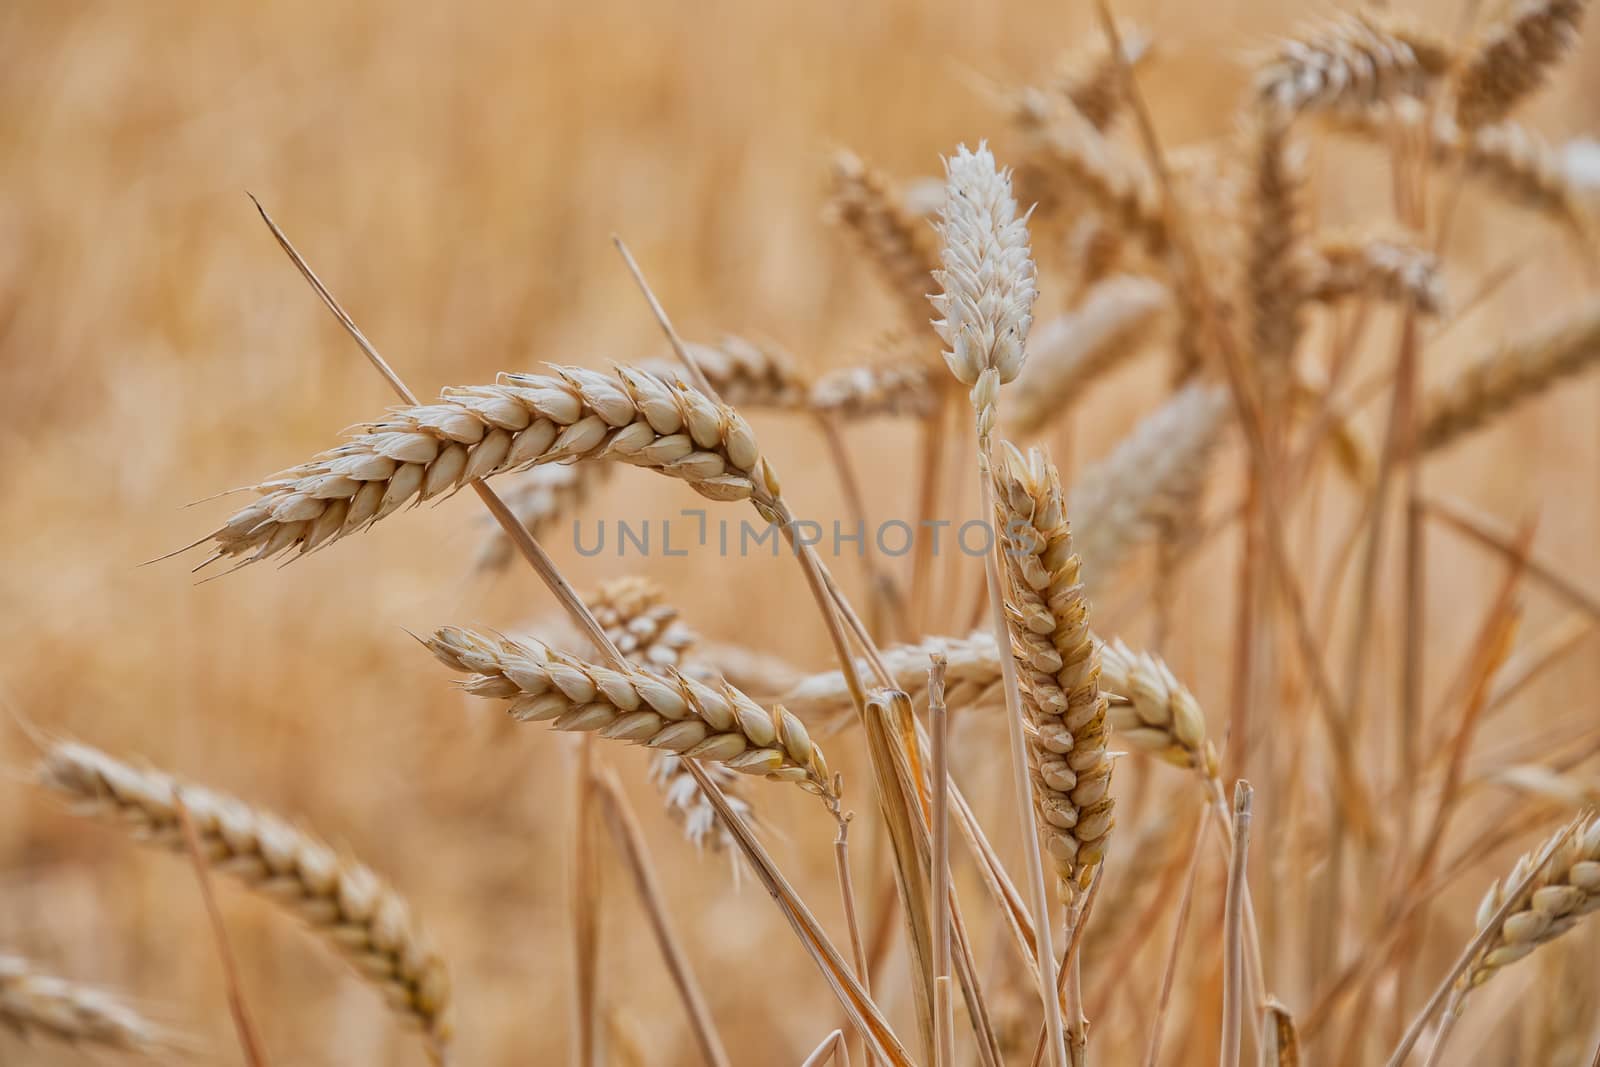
{"type": "Point", "coordinates": [454, 173]}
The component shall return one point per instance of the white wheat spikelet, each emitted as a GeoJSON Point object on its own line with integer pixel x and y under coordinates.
{"type": "Point", "coordinates": [988, 281]}
{"type": "Point", "coordinates": [32, 1002]}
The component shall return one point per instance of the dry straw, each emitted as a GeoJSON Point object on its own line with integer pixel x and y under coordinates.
{"type": "Point", "coordinates": [353, 910]}
{"type": "Point", "coordinates": [1351, 60]}
{"type": "Point", "coordinates": [664, 711]}
{"type": "Point", "coordinates": [539, 499]}
{"type": "Point", "coordinates": [1048, 619]}
{"type": "Point", "coordinates": [1504, 377]}
{"type": "Point", "coordinates": [418, 453]}
{"type": "Point", "coordinates": [34, 1003]}
{"type": "Point", "coordinates": [1068, 353]}
{"type": "Point", "coordinates": [1514, 57]}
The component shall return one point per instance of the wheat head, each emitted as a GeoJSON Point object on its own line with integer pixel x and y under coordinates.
{"type": "Point", "coordinates": [32, 1002]}
{"type": "Point", "coordinates": [1514, 57]}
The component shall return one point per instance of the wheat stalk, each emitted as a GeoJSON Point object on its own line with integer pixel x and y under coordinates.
{"type": "Point", "coordinates": [898, 242]}
{"type": "Point", "coordinates": [479, 431]}
{"type": "Point", "coordinates": [1502, 378]}
{"type": "Point", "coordinates": [1387, 268]}
{"type": "Point", "coordinates": [1567, 889]}
{"type": "Point", "coordinates": [1514, 57]}
{"type": "Point", "coordinates": [1068, 353]}
{"type": "Point", "coordinates": [1152, 477]}
{"type": "Point", "coordinates": [1048, 619]}
{"type": "Point", "coordinates": [1348, 61]}
{"type": "Point", "coordinates": [32, 1002]}
{"type": "Point", "coordinates": [664, 711]}
{"type": "Point", "coordinates": [353, 910]}
{"type": "Point", "coordinates": [539, 498]}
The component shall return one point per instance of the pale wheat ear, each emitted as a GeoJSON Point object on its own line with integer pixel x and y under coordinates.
{"type": "Point", "coordinates": [35, 1003]}
{"type": "Point", "coordinates": [340, 900]}
{"type": "Point", "coordinates": [864, 201]}
{"type": "Point", "coordinates": [1349, 61]}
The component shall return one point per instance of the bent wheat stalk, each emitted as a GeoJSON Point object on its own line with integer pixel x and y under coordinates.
{"type": "Point", "coordinates": [32, 1002]}
{"type": "Point", "coordinates": [354, 911]}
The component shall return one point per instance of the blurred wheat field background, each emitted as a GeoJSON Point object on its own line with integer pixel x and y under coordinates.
{"type": "Point", "coordinates": [455, 176]}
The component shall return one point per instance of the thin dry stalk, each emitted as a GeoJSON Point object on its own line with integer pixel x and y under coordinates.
{"type": "Point", "coordinates": [1072, 351]}
{"type": "Point", "coordinates": [583, 902]}
{"type": "Point", "coordinates": [1494, 535]}
{"type": "Point", "coordinates": [1509, 374]}
{"type": "Point", "coordinates": [1282, 1046]}
{"type": "Point", "coordinates": [1233, 929]}
{"type": "Point", "coordinates": [630, 839]}
{"type": "Point", "coordinates": [939, 730]}
{"type": "Point", "coordinates": [32, 1002]}
{"type": "Point", "coordinates": [540, 498]}
{"type": "Point", "coordinates": [1169, 970]}
{"type": "Point", "coordinates": [345, 903]}
{"type": "Point", "coordinates": [249, 1039]}
{"type": "Point", "coordinates": [1513, 58]}
{"type": "Point", "coordinates": [833, 1049]}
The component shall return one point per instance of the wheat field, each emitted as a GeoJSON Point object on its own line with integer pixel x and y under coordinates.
{"type": "Point", "coordinates": [1312, 392]}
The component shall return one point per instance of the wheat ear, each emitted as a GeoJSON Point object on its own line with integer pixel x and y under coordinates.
{"type": "Point", "coordinates": [1383, 267]}
{"type": "Point", "coordinates": [1048, 620]}
{"type": "Point", "coordinates": [1071, 153]}
{"type": "Point", "coordinates": [1068, 353]}
{"type": "Point", "coordinates": [900, 388]}
{"type": "Point", "coordinates": [663, 711]}
{"type": "Point", "coordinates": [475, 432]}
{"type": "Point", "coordinates": [1274, 271]}
{"type": "Point", "coordinates": [32, 1002]}
{"type": "Point", "coordinates": [646, 629]}
{"type": "Point", "coordinates": [898, 243]}
{"type": "Point", "coordinates": [1091, 79]}
{"type": "Point", "coordinates": [1152, 477]}
{"type": "Point", "coordinates": [1504, 377]}
{"type": "Point", "coordinates": [744, 374]}
{"type": "Point", "coordinates": [353, 910]}
{"type": "Point", "coordinates": [1565, 891]}
{"type": "Point", "coordinates": [1161, 716]}
{"type": "Point", "coordinates": [1349, 61]}
{"type": "Point", "coordinates": [1514, 57]}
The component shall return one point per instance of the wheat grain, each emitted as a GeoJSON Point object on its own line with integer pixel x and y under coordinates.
{"type": "Point", "coordinates": [1153, 477]}
{"type": "Point", "coordinates": [1567, 889]}
{"type": "Point", "coordinates": [1161, 716]}
{"type": "Point", "coordinates": [480, 431]}
{"type": "Point", "coordinates": [32, 1002]}
{"type": "Point", "coordinates": [1348, 61]}
{"type": "Point", "coordinates": [1383, 267]}
{"type": "Point", "coordinates": [1509, 374]}
{"type": "Point", "coordinates": [898, 242]}
{"type": "Point", "coordinates": [873, 390]}
{"type": "Point", "coordinates": [987, 284]}
{"type": "Point", "coordinates": [1068, 353]}
{"type": "Point", "coordinates": [1048, 619]}
{"type": "Point", "coordinates": [665, 711]}
{"type": "Point", "coordinates": [354, 911]}
{"type": "Point", "coordinates": [1514, 57]}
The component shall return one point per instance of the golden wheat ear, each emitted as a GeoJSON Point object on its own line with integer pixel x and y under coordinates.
{"type": "Point", "coordinates": [33, 1002]}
